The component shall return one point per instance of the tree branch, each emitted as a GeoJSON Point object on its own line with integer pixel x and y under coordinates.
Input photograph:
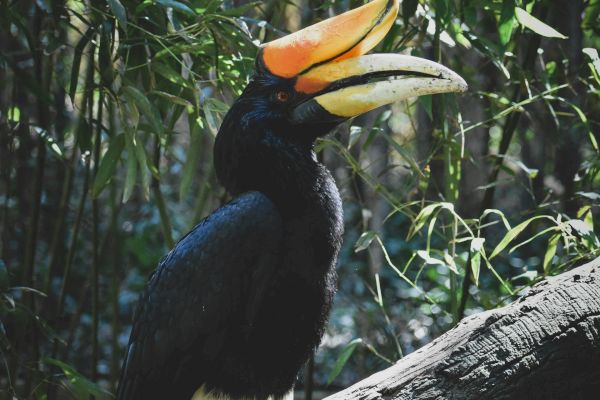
{"type": "Point", "coordinates": [546, 345]}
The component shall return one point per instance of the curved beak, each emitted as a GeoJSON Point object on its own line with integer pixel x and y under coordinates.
{"type": "Point", "coordinates": [338, 81]}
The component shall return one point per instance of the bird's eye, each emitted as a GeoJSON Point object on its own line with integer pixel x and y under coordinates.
{"type": "Point", "coordinates": [282, 96]}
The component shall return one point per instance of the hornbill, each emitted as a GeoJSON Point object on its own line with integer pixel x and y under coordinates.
{"type": "Point", "coordinates": [237, 307]}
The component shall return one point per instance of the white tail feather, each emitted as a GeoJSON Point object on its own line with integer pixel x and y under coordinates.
{"type": "Point", "coordinates": [203, 394]}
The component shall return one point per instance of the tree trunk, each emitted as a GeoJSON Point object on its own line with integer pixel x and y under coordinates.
{"type": "Point", "coordinates": [546, 346]}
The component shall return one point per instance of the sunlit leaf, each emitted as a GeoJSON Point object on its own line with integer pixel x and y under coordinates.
{"type": "Point", "coordinates": [499, 213]}
{"type": "Point", "coordinates": [513, 233]}
{"type": "Point", "coordinates": [507, 21]}
{"type": "Point", "coordinates": [539, 27]}
{"type": "Point", "coordinates": [593, 55]}
{"type": "Point", "coordinates": [550, 252]}
{"type": "Point", "coordinates": [364, 241]}
{"type": "Point", "coordinates": [422, 219]}
{"type": "Point", "coordinates": [476, 249]}
{"type": "Point", "coordinates": [355, 134]}
{"type": "Point", "coordinates": [428, 259]}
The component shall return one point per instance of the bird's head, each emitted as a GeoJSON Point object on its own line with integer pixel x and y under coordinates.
{"type": "Point", "coordinates": [308, 82]}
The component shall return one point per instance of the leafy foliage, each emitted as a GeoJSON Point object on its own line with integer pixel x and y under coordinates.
{"type": "Point", "coordinates": [454, 204]}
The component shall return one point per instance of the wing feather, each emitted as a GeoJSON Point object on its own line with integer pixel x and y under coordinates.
{"type": "Point", "coordinates": [206, 285]}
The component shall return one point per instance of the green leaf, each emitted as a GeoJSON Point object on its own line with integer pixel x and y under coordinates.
{"type": "Point", "coordinates": [108, 164]}
{"type": "Point", "coordinates": [193, 158]}
{"type": "Point", "coordinates": [550, 252]}
{"type": "Point", "coordinates": [119, 12]}
{"type": "Point", "coordinates": [149, 111]}
{"type": "Point", "coordinates": [590, 195]}
{"type": "Point", "coordinates": [364, 241]}
{"type": "Point", "coordinates": [530, 172]}
{"type": "Point", "coordinates": [476, 250]}
{"type": "Point", "coordinates": [132, 165]}
{"type": "Point", "coordinates": [593, 55]}
{"type": "Point", "coordinates": [507, 21]}
{"type": "Point", "coordinates": [414, 166]}
{"type": "Point", "coordinates": [176, 5]}
{"type": "Point", "coordinates": [241, 10]}
{"type": "Point", "coordinates": [421, 219]}
{"type": "Point", "coordinates": [76, 64]}
{"type": "Point", "coordinates": [145, 169]}
{"type": "Point", "coordinates": [497, 212]}
{"type": "Point", "coordinates": [355, 134]}
{"type": "Point", "coordinates": [170, 74]}
{"type": "Point", "coordinates": [531, 22]}
{"type": "Point", "coordinates": [84, 386]}
{"type": "Point", "coordinates": [343, 359]}
{"type": "Point", "coordinates": [172, 98]}
{"type": "Point", "coordinates": [513, 233]}
{"type": "Point", "coordinates": [428, 259]}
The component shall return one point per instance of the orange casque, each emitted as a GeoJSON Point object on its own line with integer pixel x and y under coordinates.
{"type": "Point", "coordinates": [348, 35]}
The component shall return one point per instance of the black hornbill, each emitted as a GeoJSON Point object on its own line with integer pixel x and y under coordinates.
{"type": "Point", "coordinates": [237, 307]}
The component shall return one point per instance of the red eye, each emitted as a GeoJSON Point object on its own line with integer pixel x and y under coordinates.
{"type": "Point", "coordinates": [283, 96]}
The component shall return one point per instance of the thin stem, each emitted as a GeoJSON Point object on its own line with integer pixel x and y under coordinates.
{"type": "Point", "coordinates": [95, 242]}
{"type": "Point", "coordinates": [160, 201]}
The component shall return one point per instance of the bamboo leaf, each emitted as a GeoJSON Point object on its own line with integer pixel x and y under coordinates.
{"type": "Point", "coordinates": [85, 39]}
{"type": "Point", "coordinates": [172, 98]}
{"type": "Point", "coordinates": [593, 55]}
{"type": "Point", "coordinates": [108, 164]}
{"type": "Point", "coordinates": [476, 249]}
{"type": "Point", "coordinates": [145, 169]}
{"type": "Point", "coordinates": [149, 111]}
{"type": "Point", "coordinates": [343, 359]}
{"type": "Point", "coordinates": [176, 5]}
{"type": "Point", "coordinates": [193, 158]}
{"type": "Point", "coordinates": [539, 27]}
{"type": "Point", "coordinates": [364, 241]}
{"type": "Point", "coordinates": [550, 252]}
{"type": "Point", "coordinates": [405, 155]}
{"type": "Point", "coordinates": [513, 233]}
{"type": "Point", "coordinates": [132, 165]}
{"type": "Point", "coordinates": [84, 386]}
{"type": "Point", "coordinates": [240, 10]}
{"type": "Point", "coordinates": [497, 212]}
{"type": "Point", "coordinates": [355, 134]}
{"type": "Point", "coordinates": [421, 219]}
{"type": "Point", "coordinates": [428, 259]}
{"type": "Point", "coordinates": [119, 12]}
{"type": "Point", "coordinates": [507, 21]}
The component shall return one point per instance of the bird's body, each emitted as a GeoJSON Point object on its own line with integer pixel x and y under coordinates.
{"type": "Point", "coordinates": [239, 273]}
{"type": "Point", "coordinates": [252, 265]}
{"type": "Point", "coordinates": [240, 303]}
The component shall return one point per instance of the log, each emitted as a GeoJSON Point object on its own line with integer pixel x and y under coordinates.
{"type": "Point", "coordinates": [546, 345]}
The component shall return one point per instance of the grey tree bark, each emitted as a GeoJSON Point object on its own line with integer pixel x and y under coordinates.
{"type": "Point", "coordinates": [546, 346]}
